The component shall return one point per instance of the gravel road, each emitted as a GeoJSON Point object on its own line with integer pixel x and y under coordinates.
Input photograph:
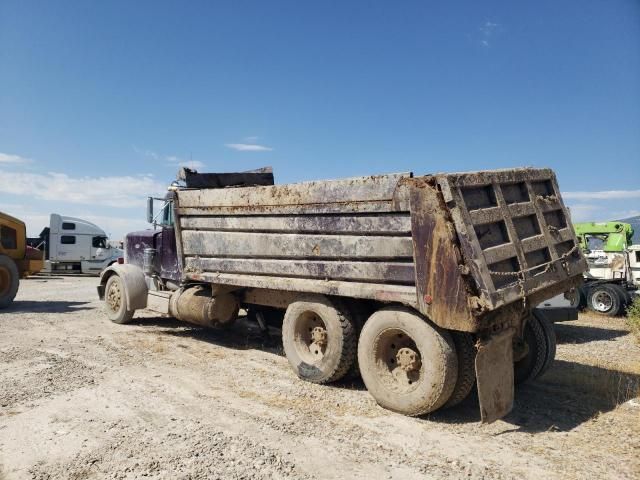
{"type": "Point", "coordinates": [81, 397]}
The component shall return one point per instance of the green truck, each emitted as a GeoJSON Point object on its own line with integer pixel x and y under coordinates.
{"type": "Point", "coordinates": [613, 277]}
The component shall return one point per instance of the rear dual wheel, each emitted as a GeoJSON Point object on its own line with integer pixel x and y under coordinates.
{"type": "Point", "coordinates": [408, 365]}
{"type": "Point", "coordinates": [540, 349]}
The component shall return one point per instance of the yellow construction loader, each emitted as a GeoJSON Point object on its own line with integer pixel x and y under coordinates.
{"type": "Point", "coordinates": [17, 260]}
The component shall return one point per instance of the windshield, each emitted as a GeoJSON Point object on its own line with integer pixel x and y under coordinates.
{"type": "Point", "coordinates": [167, 214]}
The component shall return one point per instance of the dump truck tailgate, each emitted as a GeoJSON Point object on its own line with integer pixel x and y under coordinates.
{"type": "Point", "coordinates": [514, 232]}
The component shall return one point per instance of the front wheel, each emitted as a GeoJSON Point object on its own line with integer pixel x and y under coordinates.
{"type": "Point", "coordinates": [408, 365]}
{"type": "Point", "coordinates": [115, 300]}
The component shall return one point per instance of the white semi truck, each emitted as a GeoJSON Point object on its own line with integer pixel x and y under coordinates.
{"type": "Point", "coordinates": [73, 245]}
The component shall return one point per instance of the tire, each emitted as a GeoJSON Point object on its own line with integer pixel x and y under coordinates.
{"type": "Point", "coordinates": [605, 299]}
{"type": "Point", "coordinates": [408, 364]}
{"type": "Point", "coordinates": [528, 368]}
{"type": "Point", "coordinates": [578, 298]}
{"type": "Point", "coordinates": [624, 295]}
{"type": "Point", "coordinates": [550, 340]}
{"type": "Point", "coordinates": [319, 339]}
{"type": "Point", "coordinates": [360, 312]}
{"type": "Point", "coordinates": [115, 301]}
{"type": "Point", "coordinates": [466, 353]}
{"type": "Point", "coordinates": [9, 281]}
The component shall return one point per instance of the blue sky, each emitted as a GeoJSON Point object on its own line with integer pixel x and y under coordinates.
{"type": "Point", "coordinates": [101, 101]}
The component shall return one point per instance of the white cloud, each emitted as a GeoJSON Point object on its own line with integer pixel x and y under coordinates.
{"type": "Point", "coordinates": [602, 195]}
{"type": "Point", "coordinates": [115, 191]}
{"type": "Point", "coordinates": [13, 159]}
{"type": "Point", "coordinates": [248, 147]}
{"type": "Point", "coordinates": [487, 31]}
{"type": "Point", "coordinates": [582, 212]}
{"type": "Point", "coordinates": [588, 212]}
{"type": "Point", "coordinates": [181, 162]}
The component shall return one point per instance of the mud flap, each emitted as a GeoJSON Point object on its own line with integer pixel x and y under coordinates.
{"type": "Point", "coordinates": [494, 374]}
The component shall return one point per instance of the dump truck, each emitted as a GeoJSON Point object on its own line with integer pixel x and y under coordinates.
{"type": "Point", "coordinates": [17, 260]}
{"type": "Point", "coordinates": [424, 285]}
{"type": "Point", "coordinates": [613, 278]}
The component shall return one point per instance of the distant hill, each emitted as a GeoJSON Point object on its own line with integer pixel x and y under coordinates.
{"type": "Point", "coordinates": [635, 223]}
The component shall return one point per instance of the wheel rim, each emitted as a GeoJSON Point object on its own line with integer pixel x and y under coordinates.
{"type": "Point", "coordinates": [311, 338]}
{"type": "Point", "coordinates": [602, 301]}
{"type": "Point", "coordinates": [398, 362]}
{"type": "Point", "coordinates": [5, 280]}
{"type": "Point", "coordinates": [114, 296]}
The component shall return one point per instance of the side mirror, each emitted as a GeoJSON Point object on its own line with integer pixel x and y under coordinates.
{"type": "Point", "coordinates": [150, 209]}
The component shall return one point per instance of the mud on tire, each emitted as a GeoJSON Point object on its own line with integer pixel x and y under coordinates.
{"type": "Point", "coordinates": [319, 338]}
{"type": "Point", "coordinates": [408, 364]}
{"type": "Point", "coordinates": [115, 301]}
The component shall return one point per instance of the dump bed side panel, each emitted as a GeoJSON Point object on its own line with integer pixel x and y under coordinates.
{"type": "Point", "coordinates": [344, 237]}
{"type": "Point", "coordinates": [444, 293]}
{"type": "Point", "coordinates": [514, 232]}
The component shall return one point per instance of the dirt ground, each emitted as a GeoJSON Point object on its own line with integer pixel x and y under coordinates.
{"type": "Point", "coordinates": [81, 397]}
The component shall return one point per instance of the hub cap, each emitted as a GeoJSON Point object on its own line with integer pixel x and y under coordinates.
{"type": "Point", "coordinates": [398, 360]}
{"type": "Point", "coordinates": [602, 301]}
{"type": "Point", "coordinates": [311, 337]}
{"type": "Point", "coordinates": [114, 296]}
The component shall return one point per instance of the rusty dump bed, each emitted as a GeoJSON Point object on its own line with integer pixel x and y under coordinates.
{"type": "Point", "coordinates": [455, 246]}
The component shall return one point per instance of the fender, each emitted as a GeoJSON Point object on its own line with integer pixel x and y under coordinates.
{"type": "Point", "coordinates": [134, 282]}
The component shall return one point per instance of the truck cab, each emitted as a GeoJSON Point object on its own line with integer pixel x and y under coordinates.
{"type": "Point", "coordinates": [159, 245]}
{"type": "Point", "coordinates": [76, 245]}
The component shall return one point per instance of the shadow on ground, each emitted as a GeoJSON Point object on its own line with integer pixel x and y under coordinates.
{"type": "Point", "coordinates": [567, 333]}
{"type": "Point", "coordinates": [568, 395]}
{"type": "Point", "coordinates": [47, 306]}
{"type": "Point", "coordinates": [243, 335]}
